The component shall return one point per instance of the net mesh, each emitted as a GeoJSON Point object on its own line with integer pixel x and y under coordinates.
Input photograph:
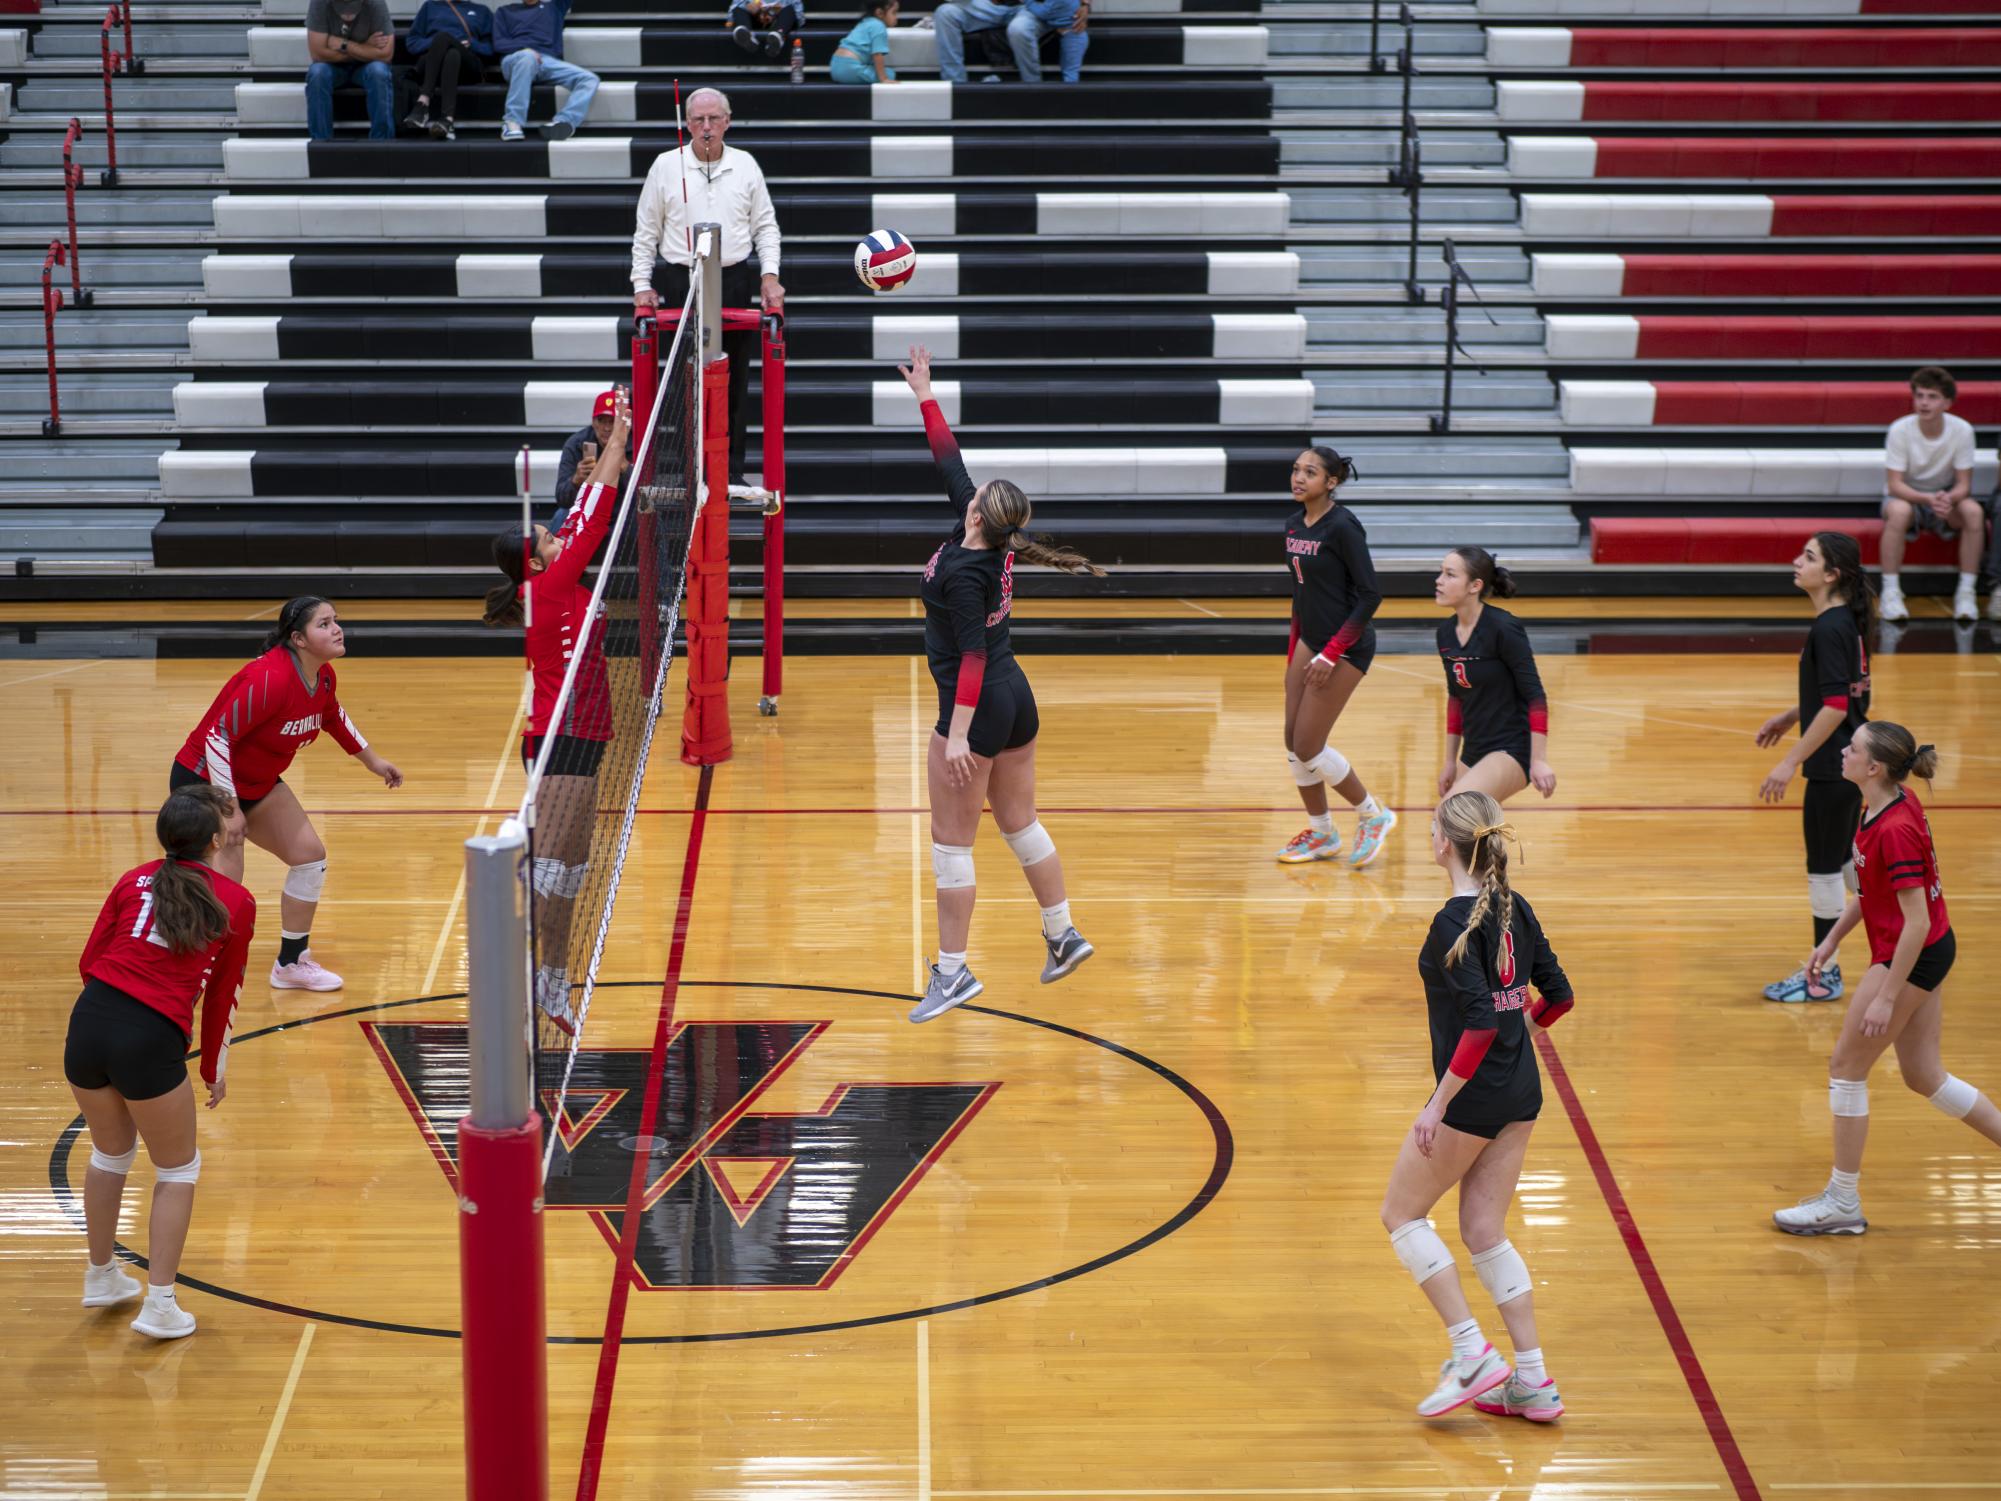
{"type": "Point", "coordinates": [580, 821]}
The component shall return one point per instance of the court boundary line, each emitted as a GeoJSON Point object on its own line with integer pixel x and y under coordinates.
{"type": "Point", "coordinates": [597, 1430]}
{"type": "Point", "coordinates": [1080, 810]}
{"type": "Point", "coordinates": [278, 1417]}
{"type": "Point", "coordinates": [1665, 1313]}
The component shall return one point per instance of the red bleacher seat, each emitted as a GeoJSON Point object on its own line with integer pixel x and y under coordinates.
{"type": "Point", "coordinates": [1872, 403]}
{"type": "Point", "coordinates": [1773, 540]}
{"type": "Point", "coordinates": [1823, 157]}
{"type": "Point", "coordinates": [1820, 337]}
{"type": "Point", "coordinates": [1827, 103]}
{"type": "Point", "coordinates": [1872, 214]}
{"type": "Point", "coordinates": [1812, 276]}
{"type": "Point", "coordinates": [1805, 47]}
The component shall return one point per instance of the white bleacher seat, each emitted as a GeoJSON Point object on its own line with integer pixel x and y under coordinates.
{"type": "Point", "coordinates": [221, 474]}
{"type": "Point", "coordinates": [910, 99]}
{"type": "Point", "coordinates": [591, 158]}
{"type": "Point", "coordinates": [893, 404]}
{"type": "Point", "coordinates": [1253, 273]}
{"type": "Point", "coordinates": [236, 404]}
{"type": "Point", "coordinates": [13, 48]}
{"type": "Point", "coordinates": [1555, 274]}
{"type": "Point", "coordinates": [1554, 99]}
{"type": "Point", "coordinates": [1639, 215]}
{"type": "Point", "coordinates": [1180, 214]}
{"type": "Point", "coordinates": [1606, 403]}
{"type": "Point", "coordinates": [559, 403]}
{"type": "Point", "coordinates": [247, 275]}
{"type": "Point", "coordinates": [348, 216]}
{"type": "Point", "coordinates": [910, 156]}
{"type": "Point", "coordinates": [1552, 156]}
{"type": "Point", "coordinates": [499, 277]}
{"type": "Point", "coordinates": [255, 158]}
{"type": "Point", "coordinates": [1265, 403]}
{"type": "Point", "coordinates": [212, 339]}
{"type": "Point", "coordinates": [1259, 336]}
{"type": "Point", "coordinates": [1529, 46]}
{"type": "Point", "coordinates": [1591, 336]}
{"type": "Point", "coordinates": [1832, 473]}
{"type": "Point", "coordinates": [575, 340]}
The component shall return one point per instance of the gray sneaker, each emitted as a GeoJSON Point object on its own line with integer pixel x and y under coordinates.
{"type": "Point", "coordinates": [1065, 954]}
{"type": "Point", "coordinates": [1517, 1399]}
{"type": "Point", "coordinates": [1821, 1215]}
{"type": "Point", "coordinates": [944, 992]}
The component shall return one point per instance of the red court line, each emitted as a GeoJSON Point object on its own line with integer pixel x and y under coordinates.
{"type": "Point", "coordinates": [1650, 1278]}
{"type": "Point", "coordinates": [649, 1114]}
{"type": "Point", "coordinates": [1213, 810]}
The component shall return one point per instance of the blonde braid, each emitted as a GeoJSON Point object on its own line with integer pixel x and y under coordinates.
{"type": "Point", "coordinates": [1489, 861]}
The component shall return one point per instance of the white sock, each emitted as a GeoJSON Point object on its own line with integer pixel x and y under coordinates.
{"type": "Point", "coordinates": [1842, 1187]}
{"type": "Point", "coordinates": [1467, 1341]}
{"type": "Point", "coordinates": [1056, 920]}
{"type": "Point", "coordinates": [1320, 823]}
{"type": "Point", "coordinates": [1967, 581]}
{"type": "Point", "coordinates": [1528, 1368]}
{"type": "Point", "coordinates": [159, 1294]}
{"type": "Point", "coordinates": [951, 964]}
{"type": "Point", "coordinates": [1368, 807]}
{"type": "Point", "coordinates": [1893, 581]}
{"type": "Point", "coordinates": [97, 1267]}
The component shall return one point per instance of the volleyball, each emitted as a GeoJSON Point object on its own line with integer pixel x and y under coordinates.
{"type": "Point", "coordinates": [885, 260]}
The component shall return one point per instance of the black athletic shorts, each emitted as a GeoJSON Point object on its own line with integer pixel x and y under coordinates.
{"type": "Point", "coordinates": [573, 756]}
{"type": "Point", "coordinates": [1363, 652]}
{"type": "Point", "coordinates": [124, 1044]}
{"type": "Point", "coordinates": [1934, 963]}
{"type": "Point", "coordinates": [1472, 755]}
{"type": "Point", "coordinates": [180, 777]}
{"type": "Point", "coordinates": [1005, 720]}
{"type": "Point", "coordinates": [1830, 813]}
{"type": "Point", "coordinates": [1484, 1128]}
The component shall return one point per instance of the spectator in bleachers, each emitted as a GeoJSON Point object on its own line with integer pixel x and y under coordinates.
{"type": "Point", "coordinates": [349, 41]}
{"type": "Point", "coordinates": [528, 36]}
{"type": "Point", "coordinates": [862, 56]}
{"type": "Point", "coordinates": [766, 25]}
{"type": "Point", "coordinates": [1928, 464]}
{"type": "Point", "coordinates": [580, 454]}
{"type": "Point", "coordinates": [1026, 22]}
{"type": "Point", "coordinates": [706, 182]}
{"type": "Point", "coordinates": [451, 39]}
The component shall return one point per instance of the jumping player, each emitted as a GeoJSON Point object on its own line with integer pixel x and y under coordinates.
{"type": "Point", "coordinates": [1496, 720]}
{"type": "Point", "coordinates": [1333, 597]}
{"type": "Point", "coordinates": [172, 933]}
{"type": "Point", "coordinates": [1484, 950]}
{"type": "Point", "coordinates": [273, 707]}
{"type": "Point", "coordinates": [1833, 704]}
{"type": "Point", "coordinates": [1901, 906]}
{"type": "Point", "coordinates": [983, 746]}
{"type": "Point", "coordinates": [547, 575]}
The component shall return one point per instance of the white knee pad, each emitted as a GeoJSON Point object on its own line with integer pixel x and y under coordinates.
{"type": "Point", "coordinates": [1955, 1097]}
{"type": "Point", "coordinates": [1502, 1272]}
{"type": "Point", "coordinates": [122, 1163]}
{"type": "Point", "coordinates": [1826, 894]}
{"type": "Point", "coordinates": [1302, 774]}
{"type": "Point", "coordinates": [305, 882]}
{"type": "Point", "coordinates": [1848, 1097]}
{"type": "Point", "coordinates": [554, 878]}
{"type": "Point", "coordinates": [1031, 845]}
{"type": "Point", "coordinates": [187, 1172]}
{"type": "Point", "coordinates": [1851, 882]}
{"type": "Point", "coordinates": [1330, 765]}
{"type": "Point", "coordinates": [952, 864]}
{"type": "Point", "coordinates": [1420, 1250]}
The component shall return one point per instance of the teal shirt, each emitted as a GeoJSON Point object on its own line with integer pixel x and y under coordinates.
{"type": "Point", "coordinates": [869, 36]}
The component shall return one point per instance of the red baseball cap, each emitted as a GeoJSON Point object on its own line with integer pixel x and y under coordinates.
{"type": "Point", "coordinates": [607, 405]}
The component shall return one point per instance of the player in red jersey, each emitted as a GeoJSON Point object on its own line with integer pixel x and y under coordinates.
{"type": "Point", "coordinates": [171, 933]}
{"type": "Point", "coordinates": [1901, 905]}
{"type": "Point", "coordinates": [544, 592]}
{"type": "Point", "coordinates": [273, 707]}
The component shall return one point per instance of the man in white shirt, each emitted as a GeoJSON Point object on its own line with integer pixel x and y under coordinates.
{"type": "Point", "coordinates": [1928, 463]}
{"type": "Point", "coordinates": [722, 186]}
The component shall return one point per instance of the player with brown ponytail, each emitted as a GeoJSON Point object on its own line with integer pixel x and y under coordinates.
{"type": "Point", "coordinates": [1483, 952]}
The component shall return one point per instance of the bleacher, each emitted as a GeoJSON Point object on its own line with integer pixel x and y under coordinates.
{"type": "Point", "coordinates": [1706, 242]}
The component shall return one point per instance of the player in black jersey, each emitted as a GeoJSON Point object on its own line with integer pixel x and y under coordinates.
{"type": "Point", "coordinates": [1484, 951]}
{"type": "Point", "coordinates": [1496, 720]}
{"type": "Point", "coordinates": [1333, 597]}
{"type": "Point", "coordinates": [983, 746]}
{"type": "Point", "coordinates": [1833, 704]}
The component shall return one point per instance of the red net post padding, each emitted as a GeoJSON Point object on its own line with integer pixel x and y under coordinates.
{"type": "Point", "coordinates": [774, 519]}
{"type": "Point", "coordinates": [705, 729]}
{"type": "Point", "coordinates": [502, 1310]}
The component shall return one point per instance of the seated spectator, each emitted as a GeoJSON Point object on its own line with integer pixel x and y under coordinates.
{"type": "Point", "coordinates": [450, 40]}
{"type": "Point", "coordinates": [349, 40]}
{"type": "Point", "coordinates": [1070, 20]}
{"type": "Point", "coordinates": [580, 455]}
{"type": "Point", "coordinates": [1027, 22]}
{"type": "Point", "coordinates": [529, 40]}
{"type": "Point", "coordinates": [756, 25]}
{"type": "Point", "coordinates": [1928, 463]}
{"type": "Point", "coordinates": [863, 54]}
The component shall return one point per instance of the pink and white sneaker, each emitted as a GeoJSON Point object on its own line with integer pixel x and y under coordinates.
{"type": "Point", "coordinates": [304, 973]}
{"type": "Point", "coordinates": [1460, 1381]}
{"type": "Point", "coordinates": [1517, 1399]}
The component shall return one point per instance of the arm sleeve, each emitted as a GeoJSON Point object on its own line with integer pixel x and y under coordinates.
{"type": "Point", "coordinates": [225, 984]}
{"type": "Point", "coordinates": [763, 223]}
{"type": "Point", "coordinates": [418, 37]}
{"type": "Point", "coordinates": [878, 41]}
{"type": "Point", "coordinates": [1467, 978]}
{"type": "Point", "coordinates": [1962, 448]}
{"type": "Point", "coordinates": [481, 21]}
{"type": "Point", "coordinates": [584, 530]}
{"type": "Point", "coordinates": [966, 603]}
{"type": "Point", "coordinates": [1520, 659]}
{"type": "Point", "coordinates": [1546, 974]}
{"type": "Point", "coordinates": [1833, 667]}
{"type": "Point", "coordinates": [233, 717]}
{"type": "Point", "coordinates": [1455, 716]}
{"type": "Point", "coordinates": [378, 19]}
{"type": "Point", "coordinates": [345, 735]}
{"type": "Point", "coordinates": [1472, 1049]}
{"type": "Point", "coordinates": [101, 931]}
{"type": "Point", "coordinates": [650, 224]}
{"type": "Point", "coordinates": [1904, 858]}
{"type": "Point", "coordinates": [959, 486]}
{"type": "Point", "coordinates": [1362, 573]}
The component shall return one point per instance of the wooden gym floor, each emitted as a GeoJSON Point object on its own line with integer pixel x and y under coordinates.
{"type": "Point", "coordinates": [1168, 1167]}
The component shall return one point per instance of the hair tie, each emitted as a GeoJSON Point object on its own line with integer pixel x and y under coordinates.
{"type": "Point", "coordinates": [1912, 759]}
{"type": "Point", "coordinates": [1505, 830]}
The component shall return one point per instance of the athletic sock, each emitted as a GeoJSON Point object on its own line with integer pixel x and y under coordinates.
{"type": "Point", "coordinates": [1841, 1188]}
{"type": "Point", "coordinates": [1320, 823]}
{"type": "Point", "coordinates": [1368, 807]}
{"type": "Point", "coordinates": [1968, 581]}
{"type": "Point", "coordinates": [1056, 920]}
{"type": "Point", "coordinates": [1822, 926]}
{"type": "Point", "coordinates": [1528, 1368]}
{"type": "Point", "coordinates": [1894, 581]}
{"type": "Point", "coordinates": [951, 964]}
{"type": "Point", "coordinates": [1467, 1342]}
{"type": "Point", "coordinates": [291, 946]}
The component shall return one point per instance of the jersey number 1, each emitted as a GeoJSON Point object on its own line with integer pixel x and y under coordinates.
{"type": "Point", "coordinates": [1297, 571]}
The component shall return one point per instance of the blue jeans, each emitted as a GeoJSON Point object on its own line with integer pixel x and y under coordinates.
{"type": "Point", "coordinates": [526, 69]}
{"type": "Point", "coordinates": [952, 21]}
{"type": "Point", "coordinates": [1056, 15]}
{"type": "Point", "coordinates": [323, 78]}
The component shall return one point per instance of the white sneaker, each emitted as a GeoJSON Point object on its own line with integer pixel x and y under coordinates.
{"type": "Point", "coordinates": [303, 973]}
{"type": "Point", "coordinates": [510, 130]}
{"type": "Point", "coordinates": [1965, 604]}
{"type": "Point", "coordinates": [1821, 1215]}
{"type": "Point", "coordinates": [163, 1317]}
{"type": "Point", "coordinates": [1891, 606]}
{"type": "Point", "coordinates": [105, 1285]}
{"type": "Point", "coordinates": [1460, 1381]}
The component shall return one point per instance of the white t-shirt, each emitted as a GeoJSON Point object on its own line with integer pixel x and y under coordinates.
{"type": "Point", "coordinates": [1929, 463]}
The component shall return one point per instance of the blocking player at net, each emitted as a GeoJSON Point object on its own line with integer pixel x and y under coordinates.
{"type": "Point", "coordinates": [983, 746]}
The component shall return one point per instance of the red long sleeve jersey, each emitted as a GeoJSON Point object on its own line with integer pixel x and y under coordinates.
{"type": "Point", "coordinates": [259, 721]}
{"type": "Point", "coordinates": [124, 951]}
{"type": "Point", "coordinates": [1894, 850]}
{"type": "Point", "coordinates": [559, 624]}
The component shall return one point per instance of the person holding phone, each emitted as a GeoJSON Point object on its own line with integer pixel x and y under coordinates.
{"type": "Point", "coordinates": [580, 455]}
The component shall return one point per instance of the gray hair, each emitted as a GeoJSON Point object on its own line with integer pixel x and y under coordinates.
{"type": "Point", "coordinates": [717, 94]}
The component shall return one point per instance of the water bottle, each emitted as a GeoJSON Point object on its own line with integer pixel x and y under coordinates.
{"type": "Point", "coordinates": [798, 60]}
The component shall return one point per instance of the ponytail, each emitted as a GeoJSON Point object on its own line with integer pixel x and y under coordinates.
{"type": "Point", "coordinates": [187, 914]}
{"type": "Point", "coordinates": [1897, 751]}
{"type": "Point", "coordinates": [294, 618]}
{"type": "Point", "coordinates": [503, 600]}
{"type": "Point", "coordinates": [1045, 554]}
{"type": "Point", "coordinates": [1004, 515]}
{"type": "Point", "coordinates": [1339, 469]}
{"type": "Point", "coordinates": [1471, 822]}
{"type": "Point", "coordinates": [1495, 581]}
{"type": "Point", "coordinates": [1843, 556]}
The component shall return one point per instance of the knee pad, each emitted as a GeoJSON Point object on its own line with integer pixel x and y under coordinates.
{"type": "Point", "coordinates": [1850, 882]}
{"type": "Point", "coordinates": [1955, 1097]}
{"type": "Point", "coordinates": [1502, 1272]}
{"type": "Point", "coordinates": [952, 864]}
{"type": "Point", "coordinates": [122, 1163]}
{"type": "Point", "coordinates": [1848, 1097]}
{"type": "Point", "coordinates": [1302, 774]}
{"type": "Point", "coordinates": [187, 1172]}
{"type": "Point", "coordinates": [1420, 1250]}
{"type": "Point", "coordinates": [1330, 765]}
{"type": "Point", "coordinates": [554, 878]}
{"type": "Point", "coordinates": [305, 882]}
{"type": "Point", "coordinates": [1031, 845]}
{"type": "Point", "coordinates": [1826, 894]}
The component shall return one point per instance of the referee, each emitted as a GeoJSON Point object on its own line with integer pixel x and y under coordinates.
{"type": "Point", "coordinates": [722, 186]}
